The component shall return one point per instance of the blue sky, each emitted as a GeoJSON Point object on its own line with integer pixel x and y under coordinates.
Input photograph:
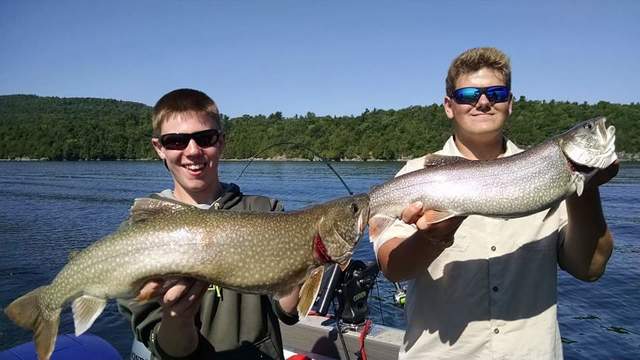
{"type": "Point", "coordinates": [328, 57]}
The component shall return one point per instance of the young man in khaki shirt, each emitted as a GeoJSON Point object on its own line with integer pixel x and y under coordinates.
{"type": "Point", "coordinates": [483, 287]}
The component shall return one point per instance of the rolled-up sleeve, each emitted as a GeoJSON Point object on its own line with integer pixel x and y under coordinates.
{"type": "Point", "coordinates": [398, 229]}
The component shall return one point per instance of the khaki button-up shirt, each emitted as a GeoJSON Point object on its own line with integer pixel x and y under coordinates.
{"type": "Point", "coordinates": [492, 294]}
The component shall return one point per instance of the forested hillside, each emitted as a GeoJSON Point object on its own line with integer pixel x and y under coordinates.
{"type": "Point", "coordinates": [90, 129]}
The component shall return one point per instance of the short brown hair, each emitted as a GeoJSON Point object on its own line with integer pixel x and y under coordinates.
{"type": "Point", "coordinates": [475, 59]}
{"type": "Point", "coordinates": [183, 101]}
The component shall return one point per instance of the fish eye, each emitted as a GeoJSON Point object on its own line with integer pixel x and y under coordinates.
{"type": "Point", "coordinates": [354, 208]}
{"type": "Point", "coordinates": [588, 126]}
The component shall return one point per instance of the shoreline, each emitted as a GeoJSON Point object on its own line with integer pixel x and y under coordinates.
{"type": "Point", "coordinates": [622, 156]}
{"type": "Point", "coordinates": [276, 159]}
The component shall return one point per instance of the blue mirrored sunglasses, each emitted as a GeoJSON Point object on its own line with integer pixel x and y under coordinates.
{"type": "Point", "coordinates": [470, 95]}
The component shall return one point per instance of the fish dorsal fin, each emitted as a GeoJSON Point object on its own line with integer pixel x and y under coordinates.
{"type": "Point", "coordinates": [432, 160]}
{"type": "Point", "coordinates": [73, 254]}
{"type": "Point", "coordinates": [86, 310]}
{"type": "Point", "coordinates": [309, 291]}
{"type": "Point", "coordinates": [145, 208]}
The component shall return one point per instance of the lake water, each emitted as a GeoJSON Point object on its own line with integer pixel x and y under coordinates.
{"type": "Point", "coordinates": [51, 208]}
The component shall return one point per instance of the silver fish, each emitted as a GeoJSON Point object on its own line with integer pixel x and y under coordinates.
{"type": "Point", "coordinates": [256, 252]}
{"type": "Point", "coordinates": [514, 186]}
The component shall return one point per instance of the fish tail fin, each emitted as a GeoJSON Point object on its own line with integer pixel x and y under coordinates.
{"type": "Point", "coordinates": [27, 312]}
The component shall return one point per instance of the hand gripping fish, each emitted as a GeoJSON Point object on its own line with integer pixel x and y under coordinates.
{"type": "Point", "coordinates": [256, 252]}
{"type": "Point", "coordinates": [514, 186]}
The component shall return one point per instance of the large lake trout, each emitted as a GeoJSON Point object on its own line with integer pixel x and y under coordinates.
{"type": "Point", "coordinates": [246, 251]}
{"type": "Point", "coordinates": [514, 186]}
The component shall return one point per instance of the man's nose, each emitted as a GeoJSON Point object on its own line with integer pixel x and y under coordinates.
{"type": "Point", "coordinates": [483, 102]}
{"type": "Point", "coordinates": [192, 147]}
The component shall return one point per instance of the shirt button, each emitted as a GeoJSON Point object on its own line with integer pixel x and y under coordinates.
{"type": "Point", "coordinates": [495, 289]}
{"type": "Point", "coordinates": [496, 330]}
{"type": "Point", "coordinates": [493, 248]}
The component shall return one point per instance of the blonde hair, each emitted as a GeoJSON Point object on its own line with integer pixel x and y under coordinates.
{"type": "Point", "coordinates": [182, 101]}
{"type": "Point", "coordinates": [475, 59]}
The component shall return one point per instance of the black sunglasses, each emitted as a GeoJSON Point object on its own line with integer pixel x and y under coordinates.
{"type": "Point", "coordinates": [180, 141]}
{"type": "Point", "coordinates": [471, 95]}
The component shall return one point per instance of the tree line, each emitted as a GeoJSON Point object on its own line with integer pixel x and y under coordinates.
{"type": "Point", "coordinates": [55, 128]}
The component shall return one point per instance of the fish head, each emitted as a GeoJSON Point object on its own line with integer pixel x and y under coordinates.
{"type": "Point", "coordinates": [590, 144]}
{"type": "Point", "coordinates": [342, 225]}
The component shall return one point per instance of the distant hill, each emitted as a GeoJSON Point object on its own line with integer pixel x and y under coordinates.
{"type": "Point", "coordinates": [73, 128]}
{"type": "Point", "coordinates": [87, 128]}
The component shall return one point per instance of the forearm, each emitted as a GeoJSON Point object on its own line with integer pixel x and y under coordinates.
{"type": "Point", "coordinates": [588, 243]}
{"type": "Point", "coordinates": [402, 259]}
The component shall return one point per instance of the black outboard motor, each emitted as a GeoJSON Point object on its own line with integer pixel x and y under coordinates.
{"type": "Point", "coordinates": [330, 284]}
{"type": "Point", "coordinates": [357, 281]}
{"type": "Point", "coordinates": [351, 287]}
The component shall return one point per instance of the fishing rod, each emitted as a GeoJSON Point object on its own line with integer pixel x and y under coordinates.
{"type": "Point", "coordinates": [400, 293]}
{"type": "Point", "coordinates": [294, 144]}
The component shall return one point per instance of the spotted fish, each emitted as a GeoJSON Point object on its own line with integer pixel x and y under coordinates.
{"type": "Point", "coordinates": [514, 186]}
{"type": "Point", "coordinates": [246, 251]}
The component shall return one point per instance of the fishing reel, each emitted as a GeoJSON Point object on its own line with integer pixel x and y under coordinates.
{"type": "Point", "coordinates": [351, 288]}
{"type": "Point", "coordinates": [400, 297]}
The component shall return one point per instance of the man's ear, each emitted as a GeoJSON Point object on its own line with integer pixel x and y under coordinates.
{"type": "Point", "coordinates": [158, 147]}
{"type": "Point", "coordinates": [448, 107]}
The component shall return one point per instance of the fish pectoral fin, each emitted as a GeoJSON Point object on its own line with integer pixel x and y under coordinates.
{"type": "Point", "coordinates": [309, 291]}
{"type": "Point", "coordinates": [579, 180]}
{"type": "Point", "coordinates": [86, 310]}
{"type": "Point", "coordinates": [378, 224]}
{"type": "Point", "coordinates": [145, 208]}
{"type": "Point", "coordinates": [436, 216]}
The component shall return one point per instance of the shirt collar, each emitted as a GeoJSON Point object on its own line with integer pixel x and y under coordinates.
{"type": "Point", "coordinates": [168, 193]}
{"type": "Point", "coordinates": [451, 149]}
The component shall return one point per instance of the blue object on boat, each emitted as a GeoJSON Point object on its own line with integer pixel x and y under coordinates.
{"type": "Point", "coordinates": [68, 347]}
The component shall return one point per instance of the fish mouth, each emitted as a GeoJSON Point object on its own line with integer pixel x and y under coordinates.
{"type": "Point", "coordinates": [590, 145]}
{"type": "Point", "coordinates": [362, 223]}
{"type": "Point", "coordinates": [584, 169]}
